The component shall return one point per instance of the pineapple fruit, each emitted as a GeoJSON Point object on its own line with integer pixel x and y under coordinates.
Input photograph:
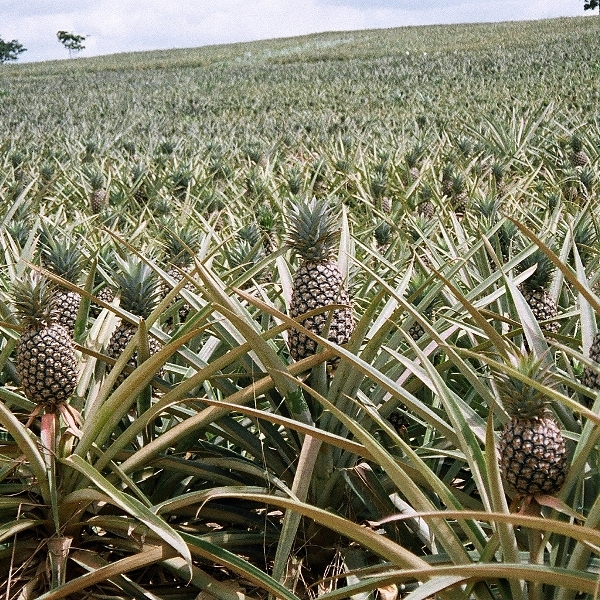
{"type": "Point", "coordinates": [139, 295]}
{"type": "Point", "coordinates": [65, 260]}
{"type": "Point", "coordinates": [46, 362]}
{"type": "Point", "coordinates": [447, 179]}
{"type": "Point", "coordinates": [535, 290]}
{"type": "Point", "coordinates": [532, 450]}
{"type": "Point", "coordinates": [318, 282]}
{"type": "Point", "coordinates": [425, 206]}
{"type": "Point", "coordinates": [459, 197]}
{"type": "Point", "coordinates": [98, 195]}
{"type": "Point", "coordinates": [579, 157]}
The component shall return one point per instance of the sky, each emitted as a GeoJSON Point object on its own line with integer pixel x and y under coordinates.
{"type": "Point", "coordinates": [112, 26]}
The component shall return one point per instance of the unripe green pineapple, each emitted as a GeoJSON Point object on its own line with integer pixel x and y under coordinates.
{"type": "Point", "coordinates": [313, 233]}
{"type": "Point", "coordinates": [535, 290]}
{"type": "Point", "coordinates": [64, 259]}
{"type": "Point", "coordinates": [46, 362]}
{"type": "Point", "coordinates": [532, 450]}
{"type": "Point", "coordinates": [139, 295]}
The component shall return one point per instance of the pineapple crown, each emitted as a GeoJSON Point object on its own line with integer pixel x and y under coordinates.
{"type": "Point", "coordinates": [585, 237]}
{"type": "Point", "coordinates": [47, 171]}
{"type": "Point", "coordinates": [383, 233]}
{"type": "Point", "coordinates": [96, 178]}
{"type": "Point", "coordinates": [414, 155]}
{"type": "Point", "coordinates": [506, 234]}
{"type": "Point", "coordinates": [250, 233]}
{"type": "Point", "coordinates": [425, 193]}
{"type": "Point", "coordinates": [587, 177]}
{"type": "Point", "coordinates": [448, 171]}
{"type": "Point", "coordinates": [520, 398]}
{"type": "Point", "coordinates": [266, 218]}
{"type": "Point", "coordinates": [417, 290]}
{"type": "Point", "coordinates": [243, 253]}
{"type": "Point", "coordinates": [138, 172]}
{"type": "Point", "coordinates": [138, 285]}
{"type": "Point", "coordinates": [313, 229]}
{"type": "Point", "coordinates": [576, 143]}
{"type": "Point", "coordinates": [62, 258]}
{"type": "Point", "coordinates": [458, 184]}
{"type": "Point", "coordinates": [179, 242]}
{"type": "Point", "coordinates": [489, 207]}
{"type": "Point", "coordinates": [498, 170]}
{"type": "Point", "coordinates": [34, 300]}
{"type": "Point", "coordinates": [540, 278]}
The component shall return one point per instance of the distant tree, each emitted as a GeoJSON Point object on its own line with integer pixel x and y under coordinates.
{"type": "Point", "coordinates": [591, 4]}
{"type": "Point", "coordinates": [71, 41]}
{"type": "Point", "coordinates": [10, 50]}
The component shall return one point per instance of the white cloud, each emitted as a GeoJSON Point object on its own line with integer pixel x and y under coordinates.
{"type": "Point", "coordinates": [128, 25]}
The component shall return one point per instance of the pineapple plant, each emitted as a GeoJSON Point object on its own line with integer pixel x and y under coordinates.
{"type": "Point", "coordinates": [459, 197]}
{"type": "Point", "coordinates": [139, 295]}
{"type": "Point", "coordinates": [425, 206]}
{"type": "Point", "coordinates": [180, 245]}
{"type": "Point", "coordinates": [416, 293]}
{"type": "Point", "coordinates": [413, 158]}
{"type": "Point", "coordinates": [267, 224]}
{"type": "Point", "coordinates": [579, 157]}
{"type": "Point", "coordinates": [64, 259]}
{"type": "Point", "coordinates": [587, 179]}
{"type": "Point", "coordinates": [294, 180]}
{"type": "Point", "coordinates": [498, 174]}
{"type": "Point", "coordinates": [535, 290]}
{"type": "Point", "coordinates": [532, 451]}
{"type": "Point", "coordinates": [447, 179]}
{"type": "Point", "coordinates": [245, 251]}
{"type": "Point", "coordinates": [383, 235]}
{"type": "Point", "coordinates": [570, 185]}
{"type": "Point", "coordinates": [140, 184]}
{"type": "Point", "coordinates": [103, 290]}
{"type": "Point", "coordinates": [98, 196]}
{"type": "Point", "coordinates": [46, 362]}
{"type": "Point", "coordinates": [318, 282]}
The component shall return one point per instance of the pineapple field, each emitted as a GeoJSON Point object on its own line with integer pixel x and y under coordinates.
{"type": "Point", "coordinates": [299, 318]}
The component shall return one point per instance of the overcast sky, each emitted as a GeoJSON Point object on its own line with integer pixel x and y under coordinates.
{"type": "Point", "coordinates": [130, 25]}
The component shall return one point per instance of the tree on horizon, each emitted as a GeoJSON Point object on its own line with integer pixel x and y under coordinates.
{"type": "Point", "coordinates": [10, 50]}
{"type": "Point", "coordinates": [71, 41]}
